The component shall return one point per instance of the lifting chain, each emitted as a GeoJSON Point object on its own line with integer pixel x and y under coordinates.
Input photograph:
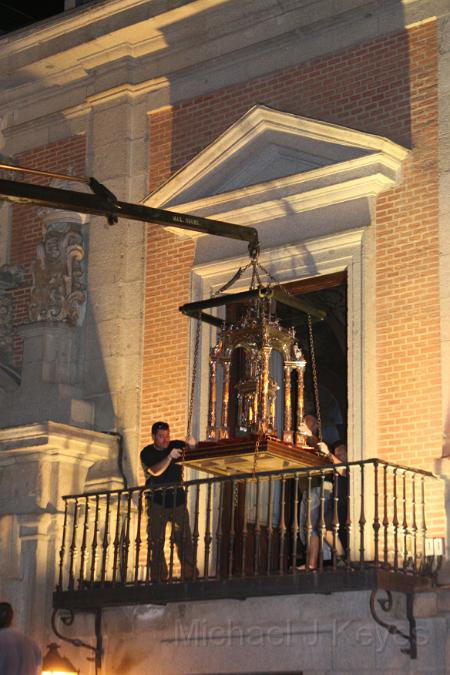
{"type": "Point", "coordinates": [312, 352]}
{"type": "Point", "coordinates": [314, 376]}
{"type": "Point", "coordinates": [192, 393]}
{"type": "Point", "coordinates": [256, 453]}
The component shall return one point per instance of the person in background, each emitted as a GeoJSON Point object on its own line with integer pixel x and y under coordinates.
{"type": "Point", "coordinates": [339, 450]}
{"type": "Point", "coordinates": [311, 430]}
{"type": "Point", "coordinates": [19, 655]}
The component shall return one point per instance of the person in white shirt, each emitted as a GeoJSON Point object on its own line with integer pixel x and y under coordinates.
{"type": "Point", "coordinates": [19, 655]}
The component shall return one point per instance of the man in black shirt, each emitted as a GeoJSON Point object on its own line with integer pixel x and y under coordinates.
{"type": "Point", "coordinates": [164, 504]}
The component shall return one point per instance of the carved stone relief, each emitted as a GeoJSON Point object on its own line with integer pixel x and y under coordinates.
{"type": "Point", "coordinates": [6, 324]}
{"type": "Point", "coordinates": [58, 292]}
{"type": "Point", "coordinates": [59, 289]}
{"type": "Point", "coordinates": [10, 276]}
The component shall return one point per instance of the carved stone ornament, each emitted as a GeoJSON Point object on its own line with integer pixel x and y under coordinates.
{"type": "Point", "coordinates": [58, 291]}
{"type": "Point", "coordinates": [10, 277]}
{"type": "Point", "coordinates": [6, 324]}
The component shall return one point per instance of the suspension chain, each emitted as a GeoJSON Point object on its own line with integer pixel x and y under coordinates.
{"type": "Point", "coordinates": [311, 347]}
{"type": "Point", "coordinates": [314, 375]}
{"type": "Point", "coordinates": [192, 393]}
{"type": "Point", "coordinates": [254, 283]}
{"type": "Point", "coordinates": [256, 452]}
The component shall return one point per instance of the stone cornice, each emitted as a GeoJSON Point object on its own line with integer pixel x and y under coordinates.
{"type": "Point", "coordinates": [375, 168]}
{"type": "Point", "coordinates": [52, 438]}
{"type": "Point", "coordinates": [343, 244]}
{"type": "Point", "coordinates": [139, 48]}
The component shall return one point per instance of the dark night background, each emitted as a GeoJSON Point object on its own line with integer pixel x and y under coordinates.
{"type": "Point", "coordinates": [16, 14]}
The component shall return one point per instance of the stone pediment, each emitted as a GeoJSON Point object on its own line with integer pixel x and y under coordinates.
{"type": "Point", "coordinates": [269, 161]}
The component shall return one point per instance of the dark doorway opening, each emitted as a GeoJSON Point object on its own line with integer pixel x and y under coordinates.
{"type": "Point", "coordinates": [328, 293]}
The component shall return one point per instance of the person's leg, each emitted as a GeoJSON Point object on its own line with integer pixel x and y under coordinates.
{"type": "Point", "coordinates": [330, 514]}
{"type": "Point", "coordinates": [310, 503]}
{"type": "Point", "coordinates": [157, 530]}
{"type": "Point", "coordinates": [183, 540]}
{"type": "Point", "coordinates": [329, 538]}
{"type": "Point", "coordinates": [313, 552]}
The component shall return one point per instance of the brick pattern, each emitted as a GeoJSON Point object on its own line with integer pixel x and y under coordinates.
{"type": "Point", "coordinates": [166, 330]}
{"type": "Point", "coordinates": [407, 253]}
{"type": "Point", "coordinates": [408, 332]}
{"type": "Point", "coordinates": [366, 87]}
{"type": "Point", "coordinates": [386, 86]}
{"type": "Point", "coordinates": [62, 156]}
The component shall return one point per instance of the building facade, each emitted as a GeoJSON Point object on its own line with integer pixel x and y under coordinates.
{"type": "Point", "coordinates": [325, 126]}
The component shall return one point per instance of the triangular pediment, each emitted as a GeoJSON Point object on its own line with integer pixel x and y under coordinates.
{"type": "Point", "coordinates": [279, 155]}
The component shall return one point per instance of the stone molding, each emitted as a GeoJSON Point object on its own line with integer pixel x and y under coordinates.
{"type": "Point", "coordinates": [353, 168]}
{"type": "Point", "coordinates": [327, 164]}
{"type": "Point", "coordinates": [74, 444]}
{"type": "Point", "coordinates": [103, 51]}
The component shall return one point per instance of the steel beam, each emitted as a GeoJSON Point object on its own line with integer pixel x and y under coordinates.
{"type": "Point", "coordinates": [194, 309]}
{"type": "Point", "coordinates": [104, 203]}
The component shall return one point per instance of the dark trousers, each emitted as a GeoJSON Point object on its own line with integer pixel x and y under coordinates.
{"type": "Point", "coordinates": [159, 516]}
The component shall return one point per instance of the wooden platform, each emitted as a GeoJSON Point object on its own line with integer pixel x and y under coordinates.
{"type": "Point", "coordinates": [236, 456]}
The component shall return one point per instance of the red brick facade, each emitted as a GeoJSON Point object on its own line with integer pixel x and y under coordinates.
{"type": "Point", "coordinates": [165, 364]}
{"type": "Point", "coordinates": [387, 86]}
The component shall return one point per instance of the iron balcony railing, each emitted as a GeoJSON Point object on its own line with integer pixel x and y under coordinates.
{"type": "Point", "coordinates": [254, 526]}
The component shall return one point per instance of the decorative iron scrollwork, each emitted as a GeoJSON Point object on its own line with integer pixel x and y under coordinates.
{"type": "Point", "coordinates": [68, 619]}
{"type": "Point", "coordinates": [386, 606]}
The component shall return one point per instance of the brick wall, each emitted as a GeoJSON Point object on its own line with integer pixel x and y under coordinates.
{"type": "Point", "coordinates": [366, 87]}
{"type": "Point", "coordinates": [165, 366]}
{"type": "Point", "coordinates": [386, 86]}
{"type": "Point", "coordinates": [62, 156]}
{"type": "Point", "coordinates": [408, 333]}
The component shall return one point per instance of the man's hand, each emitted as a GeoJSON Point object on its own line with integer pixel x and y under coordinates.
{"type": "Point", "coordinates": [305, 430]}
{"type": "Point", "coordinates": [191, 442]}
{"type": "Point", "coordinates": [175, 453]}
{"type": "Point", "coordinates": [322, 449]}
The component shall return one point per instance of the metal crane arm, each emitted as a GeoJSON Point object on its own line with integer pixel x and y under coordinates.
{"type": "Point", "coordinates": [104, 203]}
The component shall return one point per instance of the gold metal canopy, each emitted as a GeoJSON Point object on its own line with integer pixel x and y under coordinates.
{"type": "Point", "coordinates": [257, 334]}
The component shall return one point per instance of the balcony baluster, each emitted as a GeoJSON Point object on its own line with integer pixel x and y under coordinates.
{"type": "Point", "coordinates": [83, 542]}
{"type": "Point", "coordinates": [73, 545]}
{"type": "Point", "coordinates": [376, 519]}
{"type": "Point", "coordinates": [395, 522]}
{"type": "Point", "coordinates": [94, 547]}
{"type": "Point", "coordinates": [62, 550]}
{"type": "Point", "coordinates": [105, 543]}
{"type": "Point", "coordinates": [207, 537]}
{"type": "Point", "coordinates": [282, 526]}
{"type": "Point", "coordinates": [138, 539]}
{"type": "Point", "coordinates": [195, 533]}
{"type": "Point", "coordinates": [362, 520]}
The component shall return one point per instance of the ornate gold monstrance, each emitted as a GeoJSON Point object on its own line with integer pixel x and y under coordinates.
{"type": "Point", "coordinates": [257, 335]}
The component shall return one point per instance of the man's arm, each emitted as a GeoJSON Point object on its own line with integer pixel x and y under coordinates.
{"type": "Point", "coordinates": [158, 467]}
{"type": "Point", "coordinates": [161, 466]}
